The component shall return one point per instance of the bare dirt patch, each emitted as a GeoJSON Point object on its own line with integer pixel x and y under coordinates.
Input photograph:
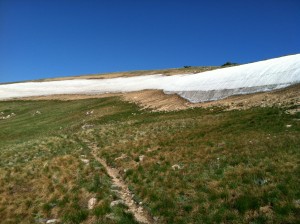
{"type": "Point", "coordinates": [157, 100]}
{"type": "Point", "coordinates": [140, 214]}
{"type": "Point", "coordinates": [172, 71]}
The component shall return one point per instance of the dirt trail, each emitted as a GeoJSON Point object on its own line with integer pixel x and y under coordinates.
{"type": "Point", "coordinates": [140, 214]}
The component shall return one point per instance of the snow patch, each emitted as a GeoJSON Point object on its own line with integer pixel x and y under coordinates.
{"type": "Point", "coordinates": [206, 86]}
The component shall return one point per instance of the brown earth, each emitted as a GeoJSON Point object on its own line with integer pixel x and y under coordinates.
{"type": "Point", "coordinates": [139, 213]}
{"type": "Point", "coordinates": [158, 101]}
{"type": "Point", "coordinates": [172, 71]}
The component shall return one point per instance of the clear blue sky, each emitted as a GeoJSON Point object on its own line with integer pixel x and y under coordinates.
{"type": "Point", "coordinates": [51, 38]}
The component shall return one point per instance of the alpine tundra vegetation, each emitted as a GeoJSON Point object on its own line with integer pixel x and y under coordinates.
{"type": "Point", "coordinates": [188, 166]}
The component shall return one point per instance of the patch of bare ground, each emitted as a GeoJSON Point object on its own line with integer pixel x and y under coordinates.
{"type": "Point", "coordinates": [140, 214]}
{"type": "Point", "coordinates": [172, 71]}
{"type": "Point", "coordinates": [157, 100]}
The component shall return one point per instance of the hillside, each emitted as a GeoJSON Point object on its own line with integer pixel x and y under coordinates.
{"type": "Point", "coordinates": [205, 86]}
{"type": "Point", "coordinates": [189, 166]}
{"type": "Point", "coordinates": [150, 157]}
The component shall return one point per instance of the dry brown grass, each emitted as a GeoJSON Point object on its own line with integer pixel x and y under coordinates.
{"type": "Point", "coordinates": [173, 71]}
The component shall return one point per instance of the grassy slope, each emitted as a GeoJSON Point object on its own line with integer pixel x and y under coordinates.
{"type": "Point", "coordinates": [42, 175]}
{"type": "Point", "coordinates": [236, 167]}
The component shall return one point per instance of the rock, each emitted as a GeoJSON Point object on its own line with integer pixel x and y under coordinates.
{"type": "Point", "coordinates": [176, 167]}
{"type": "Point", "coordinates": [87, 126]}
{"type": "Point", "coordinates": [37, 113]}
{"type": "Point", "coordinates": [288, 125]}
{"type": "Point", "coordinates": [86, 161]}
{"type": "Point", "coordinates": [41, 220]}
{"type": "Point", "coordinates": [261, 181]}
{"type": "Point", "coordinates": [117, 202]}
{"type": "Point", "coordinates": [141, 158]}
{"type": "Point", "coordinates": [89, 112]}
{"type": "Point", "coordinates": [112, 217]}
{"type": "Point", "coordinates": [123, 156]}
{"type": "Point", "coordinates": [91, 203]}
{"type": "Point", "coordinates": [52, 221]}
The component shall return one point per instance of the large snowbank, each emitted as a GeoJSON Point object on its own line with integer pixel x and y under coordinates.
{"type": "Point", "coordinates": [211, 85]}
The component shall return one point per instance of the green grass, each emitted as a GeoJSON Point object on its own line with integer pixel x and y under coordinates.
{"type": "Point", "coordinates": [235, 167]}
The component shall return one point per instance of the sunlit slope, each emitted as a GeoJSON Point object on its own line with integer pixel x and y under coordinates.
{"type": "Point", "coordinates": [249, 78]}
{"type": "Point", "coordinates": [206, 86]}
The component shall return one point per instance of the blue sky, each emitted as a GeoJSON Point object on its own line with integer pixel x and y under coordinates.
{"type": "Point", "coordinates": [53, 38]}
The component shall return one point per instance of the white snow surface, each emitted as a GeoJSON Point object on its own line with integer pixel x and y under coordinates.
{"type": "Point", "coordinates": [206, 86]}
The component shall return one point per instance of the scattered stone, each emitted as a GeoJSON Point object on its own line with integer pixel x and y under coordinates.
{"type": "Point", "coordinates": [112, 217]}
{"type": "Point", "coordinates": [7, 116]}
{"type": "Point", "coordinates": [117, 202]}
{"type": "Point", "coordinates": [86, 161]}
{"type": "Point", "coordinates": [91, 203]}
{"type": "Point", "coordinates": [37, 113]}
{"type": "Point", "coordinates": [288, 125]}
{"type": "Point", "coordinates": [41, 220]}
{"type": "Point", "coordinates": [89, 112]}
{"type": "Point", "coordinates": [123, 156]}
{"type": "Point", "coordinates": [176, 167]}
{"type": "Point", "coordinates": [261, 181]}
{"type": "Point", "coordinates": [52, 221]}
{"type": "Point", "coordinates": [87, 126]}
{"type": "Point", "coordinates": [141, 158]}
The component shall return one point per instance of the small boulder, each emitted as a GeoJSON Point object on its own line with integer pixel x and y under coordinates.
{"type": "Point", "coordinates": [141, 158]}
{"type": "Point", "coordinates": [89, 112]}
{"type": "Point", "coordinates": [123, 156]}
{"type": "Point", "coordinates": [86, 161]}
{"type": "Point", "coordinates": [117, 202]}
{"type": "Point", "coordinates": [37, 112]}
{"type": "Point", "coordinates": [52, 221]}
{"type": "Point", "coordinates": [91, 203]}
{"type": "Point", "coordinates": [176, 167]}
{"type": "Point", "coordinates": [87, 126]}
